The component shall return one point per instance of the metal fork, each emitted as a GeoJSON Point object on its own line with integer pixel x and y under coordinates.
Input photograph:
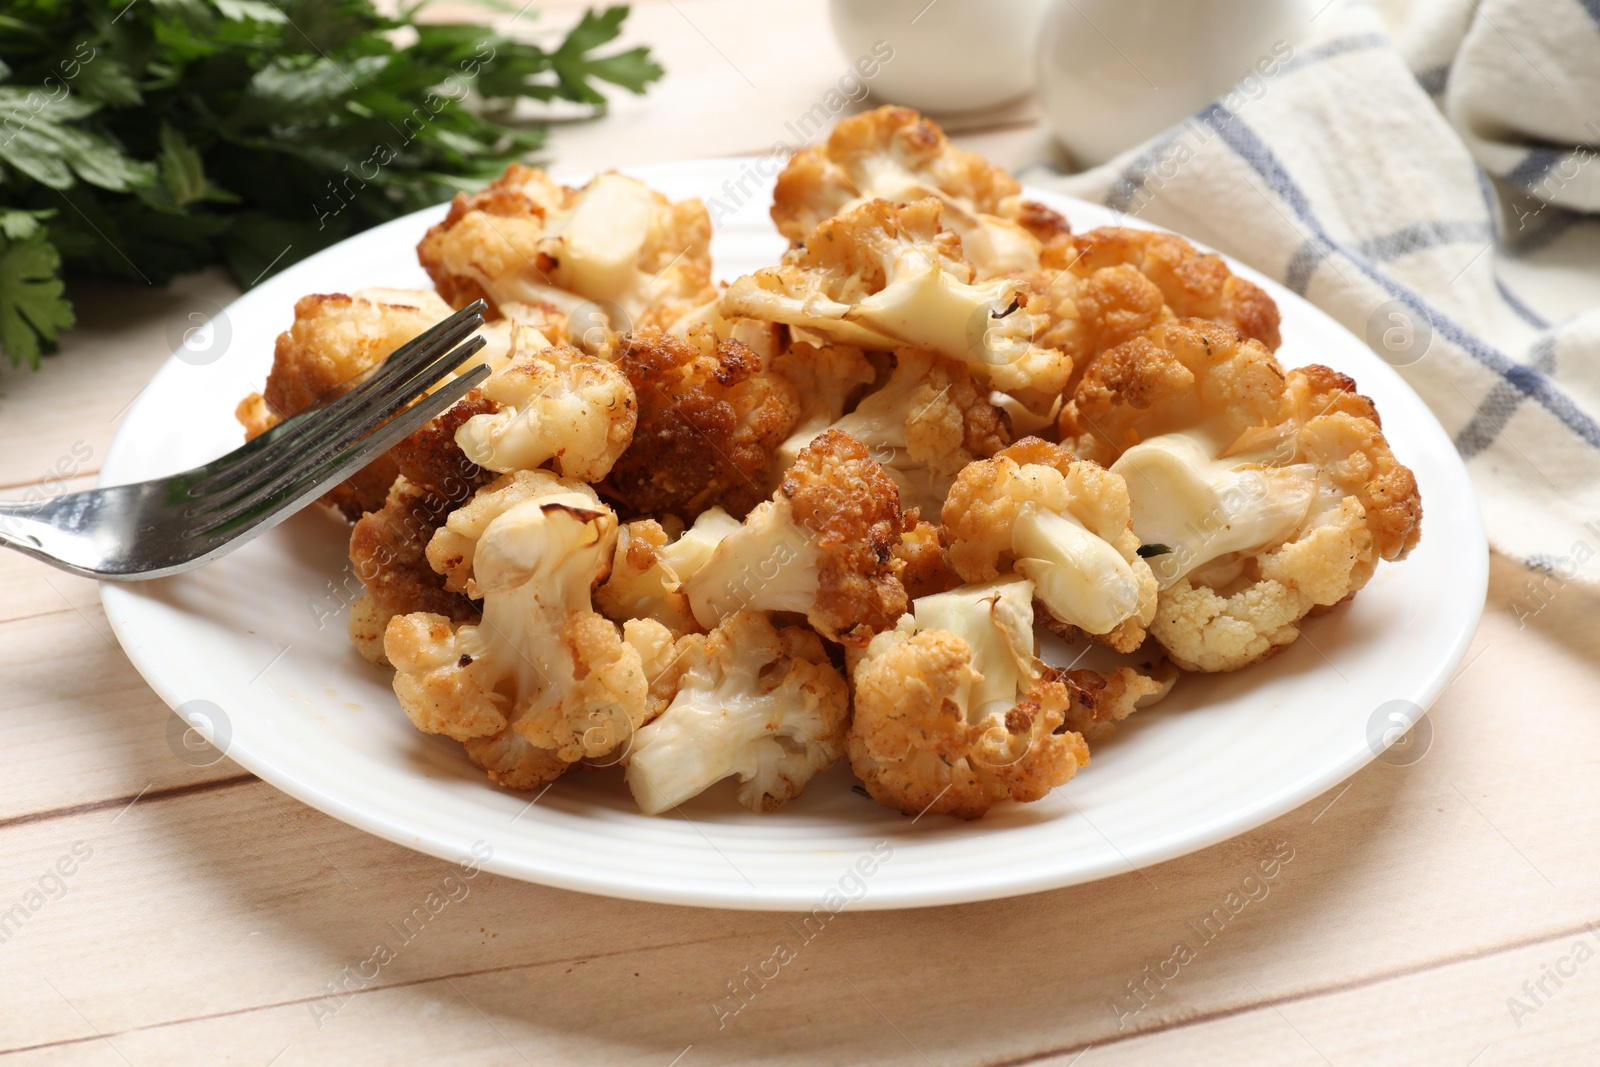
{"type": "Point", "coordinates": [150, 529]}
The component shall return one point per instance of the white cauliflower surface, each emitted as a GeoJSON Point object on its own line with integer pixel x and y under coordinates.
{"type": "Point", "coordinates": [754, 701]}
{"type": "Point", "coordinates": [884, 276]}
{"type": "Point", "coordinates": [555, 404]}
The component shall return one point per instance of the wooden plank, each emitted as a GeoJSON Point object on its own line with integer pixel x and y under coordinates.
{"type": "Point", "coordinates": [1474, 1012]}
{"type": "Point", "coordinates": [60, 421]}
{"type": "Point", "coordinates": [77, 723]}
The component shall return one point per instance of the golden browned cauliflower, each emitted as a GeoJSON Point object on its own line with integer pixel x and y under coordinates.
{"type": "Point", "coordinates": [710, 421]}
{"type": "Point", "coordinates": [388, 553]}
{"type": "Point", "coordinates": [1198, 376]}
{"type": "Point", "coordinates": [753, 700]}
{"type": "Point", "coordinates": [616, 242]}
{"type": "Point", "coordinates": [926, 570]}
{"type": "Point", "coordinates": [553, 404]}
{"type": "Point", "coordinates": [952, 714]}
{"type": "Point", "coordinates": [1101, 700]}
{"type": "Point", "coordinates": [885, 276]}
{"type": "Point", "coordinates": [334, 343]}
{"type": "Point", "coordinates": [1258, 496]}
{"type": "Point", "coordinates": [1193, 284]}
{"type": "Point", "coordinates": [822, 547]}
{"type": "Point", "coordinates": [335, 340]}
{"type": "Point", "coordinates": [894, 154]}
{"type": "Point", "coordinates": [542, 681]}
{"type": "Point", "coordinates": [925, 423]}
{"type": "Point", "coordinates": [1061, 522]}
{"type": "Point", "coordinates": [1102, 288]}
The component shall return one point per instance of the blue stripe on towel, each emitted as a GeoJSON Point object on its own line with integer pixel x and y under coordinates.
{"type": "Point", "coordinates": [1502, 403]}
{"type": "Point", "coordinates": [1303, 264]}
{"type": "Point", "coordinates": [1535, 165]}
{"type": "Point", "coordinates": [1363, 42]}
{"type": "Point", "coordinates": [1524, 312]}
{"type": "Point", "coordinates": [1558, 223]}
{"type": "Point", "coordinates": [1424, 235]}
{"type": "Point", "coordinates": [1250, 148]}
{"type": "Point", "coordinates": [1134, 176]}
{"type": "Point", "coordinates": [1434, 80]}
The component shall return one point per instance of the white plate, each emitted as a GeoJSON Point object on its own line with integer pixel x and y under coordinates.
{"type": "Point", "coordinates": [1224, 754]}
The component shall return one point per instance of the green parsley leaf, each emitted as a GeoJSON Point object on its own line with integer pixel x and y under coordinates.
{"type": "Point", "coordinates": [632, 69]}
{"type": "Point", "coordinates": [33, 309]}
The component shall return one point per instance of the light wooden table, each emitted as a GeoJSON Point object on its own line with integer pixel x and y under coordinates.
{"type": "Point", "coordinates": [208, 918]}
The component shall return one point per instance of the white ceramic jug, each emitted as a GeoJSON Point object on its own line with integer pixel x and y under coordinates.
{"type": "Point", "coordinates": [1113, 73]}
{"type": "Point", "coordinates": [949, 55]}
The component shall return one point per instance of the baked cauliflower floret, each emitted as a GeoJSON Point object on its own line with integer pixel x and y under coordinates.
{"type": "Point", "coordinates": [1103, 288]}
{"type": "Point", "coordinates": [1192, 284]}
{"type": "Point", "coordinates": [335, 340]}
{"type": "Point", "coordinates": [649, 569]}
{"type": "Point", "coordinates": [1190, 508]}
{"type": "Point", "coordinates": [1362, 506]}
{"type": "Point", "coordinates": [1036, 511]}
{"type": "Point", "coordinates": [753, 700]}
{"type": "Point", "coordinates": [823, 547]}
{"type": "Point", "coordinates": [1259, 496]}
{"type": "Point", "coordinates": [556, 405]}
{"type": "Point", "coordinates": [615, 242]}
{"type": "Point", "coordinates": [1192, 375]}
{"type": "Point", "coordinates": [766, 339]}
{"type": "Point", "coordinates": [710, 420]}
{"type": "Point", "coordinates": [885, 276]}
{"type": "Point", "coordinates": [952, 714]}
{"type": "Point", "coordinates": [894, 154]}
{"type": "Point", "coordinates": [925, 423]}
{"type": "Point", "coordinates": [542, 681]}
{"type": "Point", "coordinates": [334, 343]}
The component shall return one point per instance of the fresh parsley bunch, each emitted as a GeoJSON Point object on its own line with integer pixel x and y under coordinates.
{"type": "Point", "coordinates": [148, 138]}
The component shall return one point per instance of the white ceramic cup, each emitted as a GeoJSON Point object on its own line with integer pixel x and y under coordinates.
{"type": "Point", "coordinates": [1113, 73]}
{"type": "Point", "coordinates": [949, 55]}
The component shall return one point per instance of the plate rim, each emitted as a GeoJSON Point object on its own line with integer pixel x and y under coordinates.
{"type": "Point", "coordinates": [975, 886]}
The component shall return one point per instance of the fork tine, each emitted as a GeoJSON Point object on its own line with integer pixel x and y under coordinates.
{"type": "Point", "coordinates": [401, 364]}
{"type": "Point", "coordinates": [277, 502]}
{"type": "Point", "coordinates": [290, 461]}
{"type": "Point", "coordinates": [356, 421]}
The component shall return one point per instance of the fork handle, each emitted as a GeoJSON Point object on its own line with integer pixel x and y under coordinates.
{"type": "Point", "coordinates": [55, 530]}
{"type": "Point", "coordinates": [21, 529]}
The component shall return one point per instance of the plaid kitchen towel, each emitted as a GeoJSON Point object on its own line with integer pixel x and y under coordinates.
{"type": "Point", "coordinates": [1421, 171]}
